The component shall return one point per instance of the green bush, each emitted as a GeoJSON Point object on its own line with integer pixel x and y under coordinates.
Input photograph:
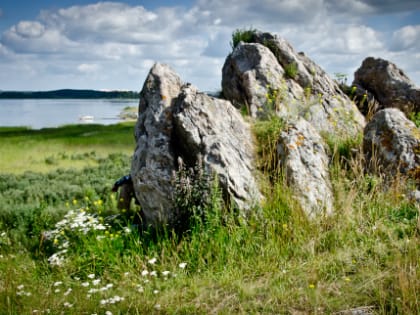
{"type": "Point", "coordinates": [242, 35]}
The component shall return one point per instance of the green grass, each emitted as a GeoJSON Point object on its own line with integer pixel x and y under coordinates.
{"type": "Point", "coordinates": [273, 262]}
{"type": "Point", "coordinates": [75, 146]}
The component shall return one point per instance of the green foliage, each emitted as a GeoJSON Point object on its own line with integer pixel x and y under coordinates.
{"type": "Point", "coordinates": [192, 195]}
{"type": "Point", "coordinates": [272, 261]}
{"type": "Point", "coordinates": [343, 148]}
{"type": "Point", "coordinates": [31, 202]}
{"type": "Point", "coordinates": [291, 70]}
{"type": "Point", "coordinates": [267, 133]}
{"type": "Point", "coordinates": [415, 117]}
{"type": "Point", "coordinates": [242, 35]}
{"type": "Point", "coordinates": [273, 99]}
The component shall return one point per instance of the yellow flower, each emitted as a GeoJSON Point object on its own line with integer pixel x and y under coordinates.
{"type": "Point", "coordinates": [347, 279]}
{"type": "Point", "coordinates": [74, 201]}
{"type": "Point", "coordinates": [55, 241]}
{"type": "Point", "coordinates": [312, 286]}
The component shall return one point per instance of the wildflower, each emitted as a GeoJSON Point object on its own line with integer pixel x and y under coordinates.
{"type": "Point", "coordinates": [91, 276]}
{"type": "Point", "coordinates": [140, 289]}
{"type": "Point", "coordinates": [96, 281]}
{"type": "Point", "coordinates": [155, 291]}
{"type": "Point", "coordinates": [312, 286]}
{"type": "Point", "coordinates": [183, 265]}
{"type": "Point", "coordinates": [74, 201]}
{"type": "Point", "coordinates": [57, 291]}
{"type": "Point", "coordinates": [152, 261]}
{"type": "Point", "coordinates": [20, 287]}
{"type": "Point", "coordinates": [67, 304]}
{"type": "Point", "coordinates": [157, 306]}
{"type": "Point", "coordinates": [144, 273]}
{"type": "Point", "coordinates": [85, 284]}
{"type": "Point", "coordinates": [68, 291]}
{"type": "Point", "coordinates": [108, 313]}
{"type": "Point", "coordinates": [93, 290]}
{"type": "Point", "coordinates": [165, 273]}
{"type": "Point", "coordinates": [347, 279]}
{"type": "Point", "coordinates": [56, 284]}
{"type": "Point", "coordinates": [153, 273]}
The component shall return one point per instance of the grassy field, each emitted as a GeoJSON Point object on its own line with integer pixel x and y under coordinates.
{"type": "Point", "coordinates": [274, 262]}
{"type": "Point", "coordinates": [75, 146]}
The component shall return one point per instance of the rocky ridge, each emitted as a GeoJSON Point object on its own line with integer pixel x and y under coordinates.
{"type": "Point", "coordinates": [267, 77]}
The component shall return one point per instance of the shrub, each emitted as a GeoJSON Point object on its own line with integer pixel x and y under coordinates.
{"type": "Point", "coordinates": [242, 35]}
{"type": "Point", "coordinates": [291, 70]}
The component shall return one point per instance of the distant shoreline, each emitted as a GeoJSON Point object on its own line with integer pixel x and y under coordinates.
{"type": "Point", "coordinates": [68, 94]}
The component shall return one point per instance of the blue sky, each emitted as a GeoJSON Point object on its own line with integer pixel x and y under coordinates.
{"type": "Point", "coordinates": [53, 44]}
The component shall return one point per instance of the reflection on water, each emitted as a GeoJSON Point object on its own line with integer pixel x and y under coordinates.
{"type": "Point", "coordinates": [40, 113]}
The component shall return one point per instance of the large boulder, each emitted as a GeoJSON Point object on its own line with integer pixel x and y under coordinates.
{"type": "Point", "coordinates": [267, 74]}
{"type": "Point", "coordinates": [387, 84]}
{"type": "Point", "coordinates": [392, 143]}
{"type": "Point", "coordinates": [177, 122]}
{"type": "Point", "coordinates": [154, 161]}
{"type": "Point", "coordinates": [215, 130]}
{"type": "Point", "coordinates": [305, 163]}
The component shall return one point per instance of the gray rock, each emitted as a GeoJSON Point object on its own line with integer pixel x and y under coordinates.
{"type": "Point", "coordinates": [305, 163]}
{"type": "Point", "coordinates": [153, 161]}
{"type": "Point", "coordinates": [362, 310]}
{"type": "Point", "coordinates": [388, 84]}
{"type": "Point", "coordinates": [176, 121]}
{"type": "Point", "coordinates": [392, 143]}
{"type": "Point", "coordinates": [214, 129]}
{"type": "Point", "coordinates": [254, 72]}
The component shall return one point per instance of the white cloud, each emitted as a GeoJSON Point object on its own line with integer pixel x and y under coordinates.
{"type": "Point", "coordinates": [88, 68]}
{"type": "Point", "coordinates": [406, 38]}
{"type": "Point", "coordinates": [29, 29]}
{"type": "Point", "coordinates": [117, 43]}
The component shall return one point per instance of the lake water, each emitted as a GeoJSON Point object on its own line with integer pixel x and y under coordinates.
{"type": "Point", "coordinates": [41, 113]}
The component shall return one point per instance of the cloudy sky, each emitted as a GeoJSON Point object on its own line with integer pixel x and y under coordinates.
{"type": "Point", "coordinates": [53, 44]}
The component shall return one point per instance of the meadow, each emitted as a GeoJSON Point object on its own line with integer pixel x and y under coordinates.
{"type": "Point", "coordinates": [94, 261]}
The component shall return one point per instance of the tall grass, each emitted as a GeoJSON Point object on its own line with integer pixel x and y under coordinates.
{"type": "Point", "coordinates": [273, 262]}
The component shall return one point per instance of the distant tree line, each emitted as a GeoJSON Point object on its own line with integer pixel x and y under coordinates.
{"type": "Point", "coordinates": [68, 93]}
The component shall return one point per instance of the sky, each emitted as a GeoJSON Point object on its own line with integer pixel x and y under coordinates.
{"type": "Point", "coordinates": [85, 44]}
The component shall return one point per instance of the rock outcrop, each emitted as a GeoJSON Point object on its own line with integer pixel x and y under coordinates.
{"type": "Point", "coordinates": [392, 143]}
{"type": "Point", "coordinates": [387, 84]}
{"type": "Point", "coordinates": [154, 161]}
{"type": "Point", "coordinates": [268, 75]}
{"type": "Point", "coordinates": [214, 129]}
{"type": "Point", "coordinates": [305, 162]}
{"type": "Point", "coordinates": [176, 121]}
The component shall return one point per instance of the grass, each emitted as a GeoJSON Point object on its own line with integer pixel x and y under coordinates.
{"type": "Point", "coordinates": [73, 146]}
{"type": "Point", "coordinates": [274, 262]}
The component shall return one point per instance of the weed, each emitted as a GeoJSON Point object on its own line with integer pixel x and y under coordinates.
{"type": "Point", "coordinates": [242, 35]}
{"type": "Point", "coordinates": [291, 70]}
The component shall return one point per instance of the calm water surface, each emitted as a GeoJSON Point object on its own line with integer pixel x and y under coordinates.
{"type": "Point", "coordinates": [41, 113]}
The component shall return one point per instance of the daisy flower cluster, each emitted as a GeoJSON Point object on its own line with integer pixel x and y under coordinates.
{"type": "Point", "coordinates": [74, 225]}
